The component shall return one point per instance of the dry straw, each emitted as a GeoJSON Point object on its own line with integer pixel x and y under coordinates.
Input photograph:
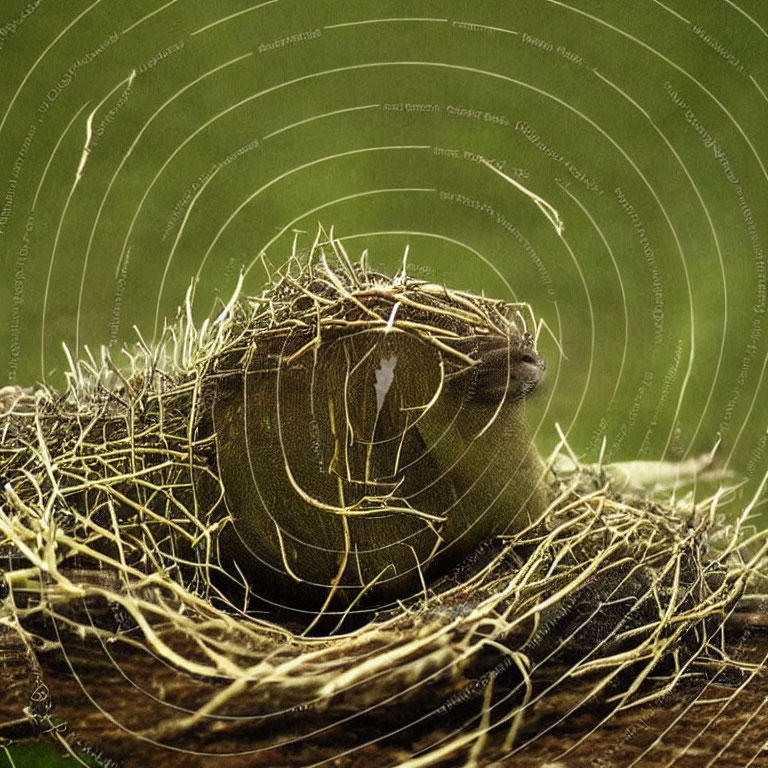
{"type": "Point", "coordinates": [609, 601]}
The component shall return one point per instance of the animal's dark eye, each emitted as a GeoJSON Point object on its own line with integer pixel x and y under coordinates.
{"type": "Point", "coordinates": [529, 359]}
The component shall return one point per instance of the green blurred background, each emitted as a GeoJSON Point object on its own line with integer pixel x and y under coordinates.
{"type": "Point", "coordinates": [145, 144]}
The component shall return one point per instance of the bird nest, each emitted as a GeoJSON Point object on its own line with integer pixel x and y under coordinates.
{"type": "Point", "coordinates": [122, 642]}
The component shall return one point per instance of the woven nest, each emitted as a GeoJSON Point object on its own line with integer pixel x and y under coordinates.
{"type": "Point", "coordinates": [128, 638]}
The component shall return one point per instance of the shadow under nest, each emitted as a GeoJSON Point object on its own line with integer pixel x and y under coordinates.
{"type": "Point", "coordinates": [612, 627]}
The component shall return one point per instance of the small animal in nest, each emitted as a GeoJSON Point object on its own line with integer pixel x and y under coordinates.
{"type": "Point", "coordinates": [369, 433]}
{"type": "Point", "coordinates": [332, 445]}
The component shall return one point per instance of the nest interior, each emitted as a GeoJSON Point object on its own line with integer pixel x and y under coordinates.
{"type": "Point", "coordinates": [135, 630]}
